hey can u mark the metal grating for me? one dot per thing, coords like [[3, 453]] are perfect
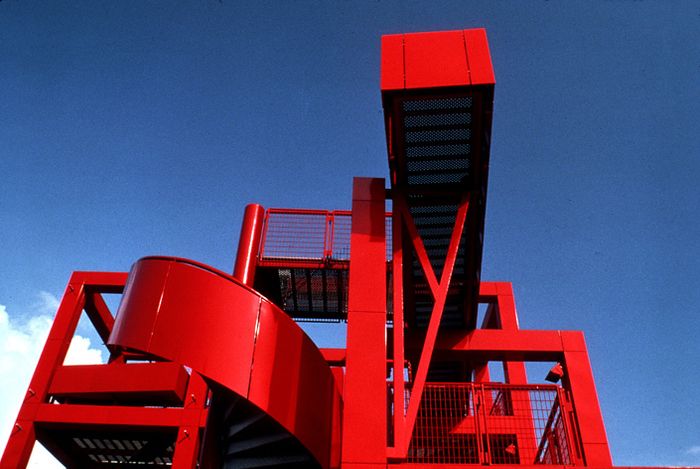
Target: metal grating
[[440, 104], [437, 135], [310, 235], [436, 140], [436, 120], [467, 423], [295, 235], [436, 151], [318, 295], [87, 447]]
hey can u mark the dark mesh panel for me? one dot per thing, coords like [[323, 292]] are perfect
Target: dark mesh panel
[[437, 164], [431, 136], [437, 120], [435, 151], [464, 102], [436, 139]]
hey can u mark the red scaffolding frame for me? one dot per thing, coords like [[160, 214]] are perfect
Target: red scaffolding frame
[[211, 370]]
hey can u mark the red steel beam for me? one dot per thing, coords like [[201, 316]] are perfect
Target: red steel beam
[[522, 345], [578, 378], [99, 314], [334, 356], [439, 292], [193, 419], [164, 381], [365, 414], [51, 414], [399, 423]]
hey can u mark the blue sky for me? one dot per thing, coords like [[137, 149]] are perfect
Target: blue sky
[[133, 128]]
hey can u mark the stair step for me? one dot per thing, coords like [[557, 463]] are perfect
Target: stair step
[[292, 460], [238, 427], [256, 442], [231, 407]]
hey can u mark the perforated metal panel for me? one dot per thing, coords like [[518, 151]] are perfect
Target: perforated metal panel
[[436, 140], [438, 104]]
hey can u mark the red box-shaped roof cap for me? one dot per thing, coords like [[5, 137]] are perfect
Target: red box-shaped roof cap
[[436, 59]]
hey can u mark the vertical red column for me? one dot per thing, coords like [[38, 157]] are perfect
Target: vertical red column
[[249, 244], [399, 402], [508, 317], [515, 373], [188, 442], [578, 378], [365, 414]]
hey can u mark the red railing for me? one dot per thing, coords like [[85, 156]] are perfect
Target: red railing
[[309, 235], [470, 423]]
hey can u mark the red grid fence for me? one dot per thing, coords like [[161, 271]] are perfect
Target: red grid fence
[[310, 235], [468, 423]]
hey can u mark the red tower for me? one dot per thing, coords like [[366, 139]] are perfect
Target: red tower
[[211, 370]]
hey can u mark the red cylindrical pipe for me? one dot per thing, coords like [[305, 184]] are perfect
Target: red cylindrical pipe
[[249, 244]]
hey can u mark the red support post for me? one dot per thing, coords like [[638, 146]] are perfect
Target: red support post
[[365, 416], [578, 379], [191, 429], [439, 291], [99, 314], [398, 330], [249, 244]]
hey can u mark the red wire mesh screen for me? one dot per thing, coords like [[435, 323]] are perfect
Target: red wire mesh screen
[[314, 235], [466, 423], [295, 234]]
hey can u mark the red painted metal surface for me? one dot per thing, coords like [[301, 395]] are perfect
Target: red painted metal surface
[[159, 383], [249, 244], [210, 370], [436, 59], [364, 433], [189, 313], [89, 416]]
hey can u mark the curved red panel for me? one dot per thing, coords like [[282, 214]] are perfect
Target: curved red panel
[[189, 313]]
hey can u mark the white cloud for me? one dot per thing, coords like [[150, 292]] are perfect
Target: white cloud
[[80, 353], [47, 304], [695, 450], [21, 343]]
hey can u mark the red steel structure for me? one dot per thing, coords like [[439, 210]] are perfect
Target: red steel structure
[[212, 370]]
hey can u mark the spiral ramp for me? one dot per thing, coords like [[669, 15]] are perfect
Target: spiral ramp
[[274, 400]]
